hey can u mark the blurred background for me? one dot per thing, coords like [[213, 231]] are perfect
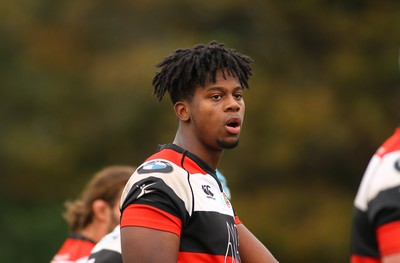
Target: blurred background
[[76, 96]]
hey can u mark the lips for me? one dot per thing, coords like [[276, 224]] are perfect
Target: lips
[[233, 125]]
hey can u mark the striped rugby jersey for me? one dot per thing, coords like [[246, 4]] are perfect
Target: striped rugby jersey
[[108, 249], [376, 214], [176, 191], [75, 249]]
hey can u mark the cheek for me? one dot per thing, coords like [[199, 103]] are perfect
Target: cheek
[[242, 110], [206, 112], [201, 114]]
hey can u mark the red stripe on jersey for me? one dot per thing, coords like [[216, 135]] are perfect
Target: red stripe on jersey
[[388, 238], [176, 157], [72, 250], [151, 217], [362, 259], [193, 257], [237, 220], [391, 144]]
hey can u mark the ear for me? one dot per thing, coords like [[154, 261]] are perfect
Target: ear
[[182, 110], [101, 210]]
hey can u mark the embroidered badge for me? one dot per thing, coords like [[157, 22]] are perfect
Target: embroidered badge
[[155, 167]]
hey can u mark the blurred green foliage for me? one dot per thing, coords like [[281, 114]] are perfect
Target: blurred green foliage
[[76, 96]]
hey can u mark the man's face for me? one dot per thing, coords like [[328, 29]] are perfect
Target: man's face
[[217, 112]]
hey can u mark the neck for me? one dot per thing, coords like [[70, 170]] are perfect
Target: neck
[[94, 232], [207, 154]]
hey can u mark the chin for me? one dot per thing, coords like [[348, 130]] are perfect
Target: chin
[[228, 145]]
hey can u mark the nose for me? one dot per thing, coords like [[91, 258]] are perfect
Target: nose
[[233, 105]]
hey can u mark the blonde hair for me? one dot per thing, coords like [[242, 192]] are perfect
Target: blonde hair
[[105, 185]]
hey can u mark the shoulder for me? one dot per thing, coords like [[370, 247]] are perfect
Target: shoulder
[[392, 144], [108, 249], [382, 175], [110, 241], [73, 249], [155, 170]]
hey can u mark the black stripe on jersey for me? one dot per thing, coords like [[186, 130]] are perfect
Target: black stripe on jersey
[[363, 235], [222, 226], [385, 207], [80, 237], [105, 256]]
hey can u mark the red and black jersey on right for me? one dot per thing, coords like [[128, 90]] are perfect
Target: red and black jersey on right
[[75, 249], [376, 214]]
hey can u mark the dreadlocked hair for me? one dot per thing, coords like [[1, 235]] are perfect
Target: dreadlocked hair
[[185, 68]]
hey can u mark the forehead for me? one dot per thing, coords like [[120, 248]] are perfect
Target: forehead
[[221, 77]]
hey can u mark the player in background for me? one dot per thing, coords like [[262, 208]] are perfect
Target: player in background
[[94, 214], [375, 231], [376, 214]]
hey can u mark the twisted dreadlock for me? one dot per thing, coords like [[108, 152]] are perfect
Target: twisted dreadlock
[[185, 68]]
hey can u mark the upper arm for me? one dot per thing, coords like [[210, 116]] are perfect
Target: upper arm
[[394, 258], [388, 241], [251, 249], [148, 245]]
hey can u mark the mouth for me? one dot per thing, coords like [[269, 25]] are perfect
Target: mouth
[[233, 125]]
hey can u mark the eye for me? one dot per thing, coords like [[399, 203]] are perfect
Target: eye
[[238, 96], [216, 96]]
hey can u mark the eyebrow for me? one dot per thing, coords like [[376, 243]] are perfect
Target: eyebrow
[[223, 88]]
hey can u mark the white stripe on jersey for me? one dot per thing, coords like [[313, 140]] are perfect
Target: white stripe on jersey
[[379, 176], [112, 241], [202, 185]]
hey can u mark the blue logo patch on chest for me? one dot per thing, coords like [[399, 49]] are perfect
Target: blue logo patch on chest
[[155, 167]]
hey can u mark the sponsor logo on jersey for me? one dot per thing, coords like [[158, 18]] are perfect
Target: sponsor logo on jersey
[[144, 190], [227, 202], [206, 189], [233, 243], [155, 167]]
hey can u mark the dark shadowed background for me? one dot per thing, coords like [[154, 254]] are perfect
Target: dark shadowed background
[[75, 96]]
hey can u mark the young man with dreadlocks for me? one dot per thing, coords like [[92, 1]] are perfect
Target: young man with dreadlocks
[[174, 208]]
